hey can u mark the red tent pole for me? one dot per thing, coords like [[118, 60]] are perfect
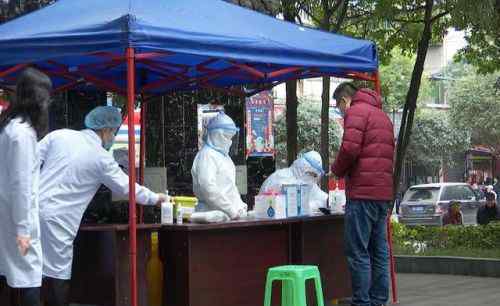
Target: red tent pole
[[389, 225], [142, 153], [378, 88], [394, 286], [131, 163]]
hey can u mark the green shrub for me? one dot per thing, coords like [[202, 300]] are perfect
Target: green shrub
[[421, 239]]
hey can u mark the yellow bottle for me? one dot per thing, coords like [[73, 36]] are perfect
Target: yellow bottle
[[155, 274]]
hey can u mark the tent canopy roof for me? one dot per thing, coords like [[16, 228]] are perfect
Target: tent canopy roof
[[179, 44]]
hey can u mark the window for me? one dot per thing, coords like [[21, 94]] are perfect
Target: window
[[437, 91], [459, 193], [421, 194]]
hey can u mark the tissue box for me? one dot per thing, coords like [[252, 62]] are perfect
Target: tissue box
[[270, 206]]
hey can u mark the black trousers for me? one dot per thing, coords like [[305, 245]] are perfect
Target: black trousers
[[18, 296], [57, 291]]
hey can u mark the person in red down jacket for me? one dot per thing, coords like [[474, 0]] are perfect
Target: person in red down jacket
[[365, 160]]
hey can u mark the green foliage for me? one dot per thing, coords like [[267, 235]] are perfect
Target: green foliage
[[395, 23], [309, 126], [270, 7], [395, 80], [14, 8], [475, 105], [435, 139], [482, 34], [427, 239], [399, 23]]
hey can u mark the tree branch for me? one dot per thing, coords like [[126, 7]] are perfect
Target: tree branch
[[363, 14], [440, 15], [336, 6], [408, 21], [265, 6], [311, 15], [341, 17]]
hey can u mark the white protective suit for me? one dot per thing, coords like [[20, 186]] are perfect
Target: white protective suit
[[297, 174], [74, 166], [214, 173], [19, 175]]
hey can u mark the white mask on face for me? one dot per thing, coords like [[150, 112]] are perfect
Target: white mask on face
[[309, 179], [220, 140]]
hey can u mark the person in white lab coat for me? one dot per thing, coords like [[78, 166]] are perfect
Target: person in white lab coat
[[214, 172], [20, 127], [304, 170], [74, 165]]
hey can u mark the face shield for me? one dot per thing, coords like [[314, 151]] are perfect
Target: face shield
[[311, 177], [223, 135], [314, 160], [235, 145], [308, 168]]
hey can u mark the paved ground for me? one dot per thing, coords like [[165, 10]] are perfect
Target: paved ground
[[447, 290]]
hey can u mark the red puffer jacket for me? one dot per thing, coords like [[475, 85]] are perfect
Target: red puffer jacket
[[366, 156]]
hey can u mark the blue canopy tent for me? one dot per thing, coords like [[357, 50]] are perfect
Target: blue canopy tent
[[153, 47], [178, 45]]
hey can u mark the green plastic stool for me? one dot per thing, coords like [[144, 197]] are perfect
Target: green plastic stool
[[293, 289]]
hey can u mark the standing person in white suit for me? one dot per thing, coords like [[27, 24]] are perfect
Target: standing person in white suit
[[21, 125], [214, 172], [75, 164]]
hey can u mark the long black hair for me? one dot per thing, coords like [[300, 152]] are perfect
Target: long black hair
[[31, 102]]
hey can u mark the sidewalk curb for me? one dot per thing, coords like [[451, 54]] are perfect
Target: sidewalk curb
[[448, 265]]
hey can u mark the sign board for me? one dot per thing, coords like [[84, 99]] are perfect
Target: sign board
[[259, 125]]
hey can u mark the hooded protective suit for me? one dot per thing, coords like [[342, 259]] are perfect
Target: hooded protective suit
[[19, 175], [300, 172], [214, 173]]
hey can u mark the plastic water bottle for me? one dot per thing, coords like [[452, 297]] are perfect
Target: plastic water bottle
[[337, 201], [167, 211], [179, 215]]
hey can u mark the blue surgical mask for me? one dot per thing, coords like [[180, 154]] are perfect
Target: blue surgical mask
[[108, 144]]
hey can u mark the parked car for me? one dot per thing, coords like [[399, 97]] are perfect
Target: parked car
[[426, 204]]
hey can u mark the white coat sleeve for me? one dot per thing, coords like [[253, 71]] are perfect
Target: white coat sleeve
[[113, 177], [317, 197], [211, 191], [23, 159]]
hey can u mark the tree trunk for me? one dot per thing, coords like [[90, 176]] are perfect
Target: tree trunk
[[325, 120], [328, 12], [291, 120], [412, 95], [289, 14]]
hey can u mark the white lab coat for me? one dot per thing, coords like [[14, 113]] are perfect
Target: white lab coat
[[74, 165], [19, 174], [214, 183]]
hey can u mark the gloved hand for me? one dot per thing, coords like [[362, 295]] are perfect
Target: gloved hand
[[162, 198], [242, 211], [23, 244]]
